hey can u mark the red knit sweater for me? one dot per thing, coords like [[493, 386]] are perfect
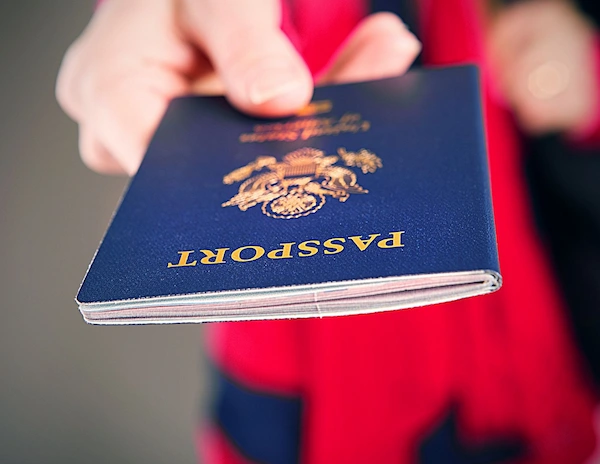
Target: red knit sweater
[[379, 388]]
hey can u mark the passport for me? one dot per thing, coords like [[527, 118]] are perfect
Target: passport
[[375, 197]]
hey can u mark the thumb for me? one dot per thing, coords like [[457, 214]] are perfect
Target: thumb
[[262, 72]]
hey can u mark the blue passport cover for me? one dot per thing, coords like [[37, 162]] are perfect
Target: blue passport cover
[[372, 180]]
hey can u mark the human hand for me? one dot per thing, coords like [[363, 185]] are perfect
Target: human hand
[[117, 79], [542, 51]]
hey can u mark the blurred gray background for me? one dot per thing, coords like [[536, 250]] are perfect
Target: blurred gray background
[[69, 392]]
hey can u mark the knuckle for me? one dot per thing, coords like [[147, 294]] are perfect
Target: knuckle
[[82, 83], [68, 79]]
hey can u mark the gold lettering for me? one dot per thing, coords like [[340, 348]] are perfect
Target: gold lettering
[[280, 136], [183, 259], [304, 246], [210, 257], [394, 242], [306, 128], [363, 245], [236, 254], [307, 248], [335, 246], [350, 117], [280, 253]]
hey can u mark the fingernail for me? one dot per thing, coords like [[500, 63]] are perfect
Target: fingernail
[[271, 84]]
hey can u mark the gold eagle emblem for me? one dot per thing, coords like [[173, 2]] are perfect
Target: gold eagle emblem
[[298, 185]]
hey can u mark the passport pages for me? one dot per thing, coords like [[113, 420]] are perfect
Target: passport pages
[[375, 197]]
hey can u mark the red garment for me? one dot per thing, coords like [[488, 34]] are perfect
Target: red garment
[[375, 388]]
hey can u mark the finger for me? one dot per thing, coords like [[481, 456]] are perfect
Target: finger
[[95, 155], [262, 72], [65, 84], [381, 46], [125, 110]]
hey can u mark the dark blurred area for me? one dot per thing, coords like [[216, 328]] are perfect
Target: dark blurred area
[[69, 392], [590, 7], [566, 197], [565, 193]]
